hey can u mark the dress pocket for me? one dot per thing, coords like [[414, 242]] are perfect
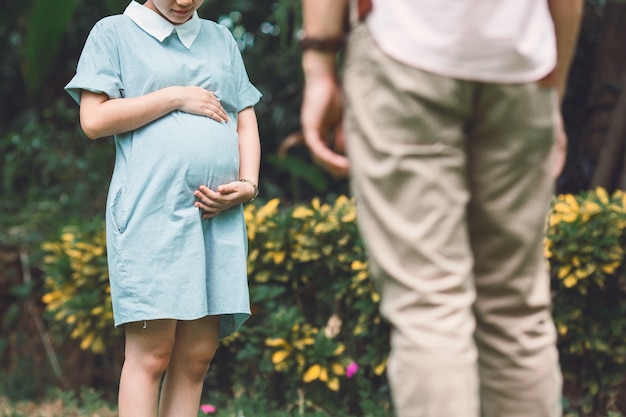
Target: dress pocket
[[118, 211]]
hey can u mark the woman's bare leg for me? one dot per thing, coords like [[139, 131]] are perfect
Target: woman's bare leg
[[147, 355], [195, 346]]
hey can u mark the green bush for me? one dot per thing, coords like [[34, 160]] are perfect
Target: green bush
[[585, 247], [49, 174], [77, 283], [315, 312]]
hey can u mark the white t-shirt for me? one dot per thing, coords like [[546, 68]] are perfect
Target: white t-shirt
[[508, 41]]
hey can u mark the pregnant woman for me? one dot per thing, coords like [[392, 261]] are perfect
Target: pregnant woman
[[174, 92]]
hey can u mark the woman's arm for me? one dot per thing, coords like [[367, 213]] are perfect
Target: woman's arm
[[101, 116], [249, 145]]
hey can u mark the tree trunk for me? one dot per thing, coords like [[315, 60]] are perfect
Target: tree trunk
[[609, 172], [603, 133]]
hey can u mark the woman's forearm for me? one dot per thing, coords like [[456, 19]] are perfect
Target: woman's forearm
[[101, 116], [249, 145]]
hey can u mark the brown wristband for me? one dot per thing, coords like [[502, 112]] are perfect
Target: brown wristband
[[321, 44]]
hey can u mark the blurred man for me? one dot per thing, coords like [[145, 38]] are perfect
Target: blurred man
[[452, 110]]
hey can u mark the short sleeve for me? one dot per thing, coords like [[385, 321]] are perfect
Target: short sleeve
[[247, 94], [98, 68]]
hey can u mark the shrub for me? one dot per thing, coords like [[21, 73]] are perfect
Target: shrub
[[77, 283], [585, 247], [315, 315]]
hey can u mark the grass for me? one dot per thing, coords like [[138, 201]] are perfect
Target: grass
[[89, 403], [59, 404], [52, 408]]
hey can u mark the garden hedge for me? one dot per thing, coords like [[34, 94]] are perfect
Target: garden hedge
[[316, 337]]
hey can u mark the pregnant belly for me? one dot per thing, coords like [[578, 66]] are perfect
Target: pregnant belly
[[182, 148]]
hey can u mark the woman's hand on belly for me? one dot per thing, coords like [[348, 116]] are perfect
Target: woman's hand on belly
[[199, 101], [227, 196]]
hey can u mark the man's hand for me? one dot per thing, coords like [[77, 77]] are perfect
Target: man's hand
[[322, 110], [321, 123]]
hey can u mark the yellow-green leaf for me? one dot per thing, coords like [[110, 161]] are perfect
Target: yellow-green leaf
[[312, 373]]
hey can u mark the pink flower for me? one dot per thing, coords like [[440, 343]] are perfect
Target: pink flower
[[208, 409], [351, 369]]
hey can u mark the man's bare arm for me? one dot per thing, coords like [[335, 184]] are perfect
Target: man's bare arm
[[566, 15]]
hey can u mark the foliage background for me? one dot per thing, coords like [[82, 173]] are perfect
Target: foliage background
[[315, 311], [51, 175], [53, 181], [47, 164]]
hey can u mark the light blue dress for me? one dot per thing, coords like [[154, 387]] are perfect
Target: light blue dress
[[165, 262]]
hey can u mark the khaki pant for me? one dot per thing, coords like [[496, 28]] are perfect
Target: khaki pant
[[453, 182]]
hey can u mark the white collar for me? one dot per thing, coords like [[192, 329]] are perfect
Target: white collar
[[159, 27]]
